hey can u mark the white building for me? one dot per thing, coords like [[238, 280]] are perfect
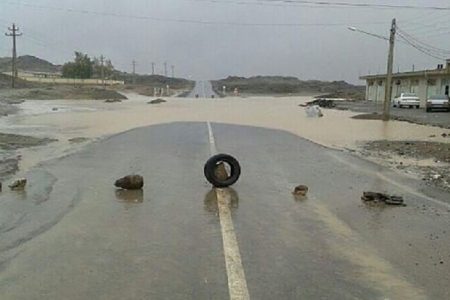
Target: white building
[[422, 83]]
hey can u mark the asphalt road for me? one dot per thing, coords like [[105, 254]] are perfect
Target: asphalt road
[[203, 89], [71, 235], [436, 117]]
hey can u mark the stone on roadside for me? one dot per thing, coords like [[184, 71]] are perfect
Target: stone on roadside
[[300, 190], [220, 172], [156, 101], [130, 182], [18, 184], [112, 100]]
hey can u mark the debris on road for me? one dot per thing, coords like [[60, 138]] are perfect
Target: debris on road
[[314, 111], [300, 190], [130, 182], [112, 100], [78, 139], [325, 103], [157, 101], [18, 184], [374, 197], [216, 174]]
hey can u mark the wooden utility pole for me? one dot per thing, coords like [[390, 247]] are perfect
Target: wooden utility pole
[[173, 71], [14, 32], [134, 71], [102, 69], [153, 68], [165, 69], [390, 63]]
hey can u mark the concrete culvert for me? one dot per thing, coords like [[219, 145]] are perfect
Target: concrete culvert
[[130, 182], [222, 170]]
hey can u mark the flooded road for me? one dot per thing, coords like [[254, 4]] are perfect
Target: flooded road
[[202, 89], [71, 235]]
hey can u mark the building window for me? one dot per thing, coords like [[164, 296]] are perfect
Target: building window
[[370, 83], [431, 81], [380, 82], [398, 82]]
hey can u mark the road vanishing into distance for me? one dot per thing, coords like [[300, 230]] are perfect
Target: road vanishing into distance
[[72, 235], [202, 89]]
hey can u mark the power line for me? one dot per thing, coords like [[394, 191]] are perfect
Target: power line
[[420, 48], [361, 5], [190, 21], [425, 45]]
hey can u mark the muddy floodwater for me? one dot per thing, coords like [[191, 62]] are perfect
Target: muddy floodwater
[[88, 120]]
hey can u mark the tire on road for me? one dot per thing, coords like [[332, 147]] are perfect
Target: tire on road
[[211, 165]]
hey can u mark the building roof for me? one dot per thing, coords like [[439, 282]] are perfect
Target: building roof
[[423, 73]]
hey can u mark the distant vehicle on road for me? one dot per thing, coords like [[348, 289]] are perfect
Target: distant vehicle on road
[[407, 99], [438, 102]]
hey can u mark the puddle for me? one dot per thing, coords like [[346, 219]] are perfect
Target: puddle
[[130, 196], [210, 201]]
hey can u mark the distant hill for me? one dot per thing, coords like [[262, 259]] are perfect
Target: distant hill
[[280, 85], [29, 63]]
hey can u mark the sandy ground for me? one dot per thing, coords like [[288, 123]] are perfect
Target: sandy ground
[[67, 120]]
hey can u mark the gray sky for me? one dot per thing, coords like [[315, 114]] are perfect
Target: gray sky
[[155, 30]]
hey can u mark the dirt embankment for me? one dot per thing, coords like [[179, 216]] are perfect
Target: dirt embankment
[[278, 85], [427, 160], [61, 92]]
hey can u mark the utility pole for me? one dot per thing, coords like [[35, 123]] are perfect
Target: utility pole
[[153, 68], [102, 69], [165, 68], [173, 71], [13, 33], [134, 71], [388, 88]]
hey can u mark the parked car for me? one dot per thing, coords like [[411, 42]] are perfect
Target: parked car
[[406, 99], [437, 102]]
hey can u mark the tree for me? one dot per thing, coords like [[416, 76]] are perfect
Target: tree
[[108, 68], [81, 67]]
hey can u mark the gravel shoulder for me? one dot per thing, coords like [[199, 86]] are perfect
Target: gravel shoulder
[[425, 160]]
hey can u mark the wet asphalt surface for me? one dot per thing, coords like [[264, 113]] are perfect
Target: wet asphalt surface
[[436, 117], [71, 235], [203, 89]]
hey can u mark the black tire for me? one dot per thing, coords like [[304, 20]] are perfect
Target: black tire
[[210, 167]]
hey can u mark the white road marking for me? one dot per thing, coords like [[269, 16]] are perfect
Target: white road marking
[[237, 284], [212, 141]]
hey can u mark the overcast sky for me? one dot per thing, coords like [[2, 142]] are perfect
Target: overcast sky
[[161, 30]]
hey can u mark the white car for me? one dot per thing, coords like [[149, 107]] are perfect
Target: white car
[[438, 102], [407, 99]]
